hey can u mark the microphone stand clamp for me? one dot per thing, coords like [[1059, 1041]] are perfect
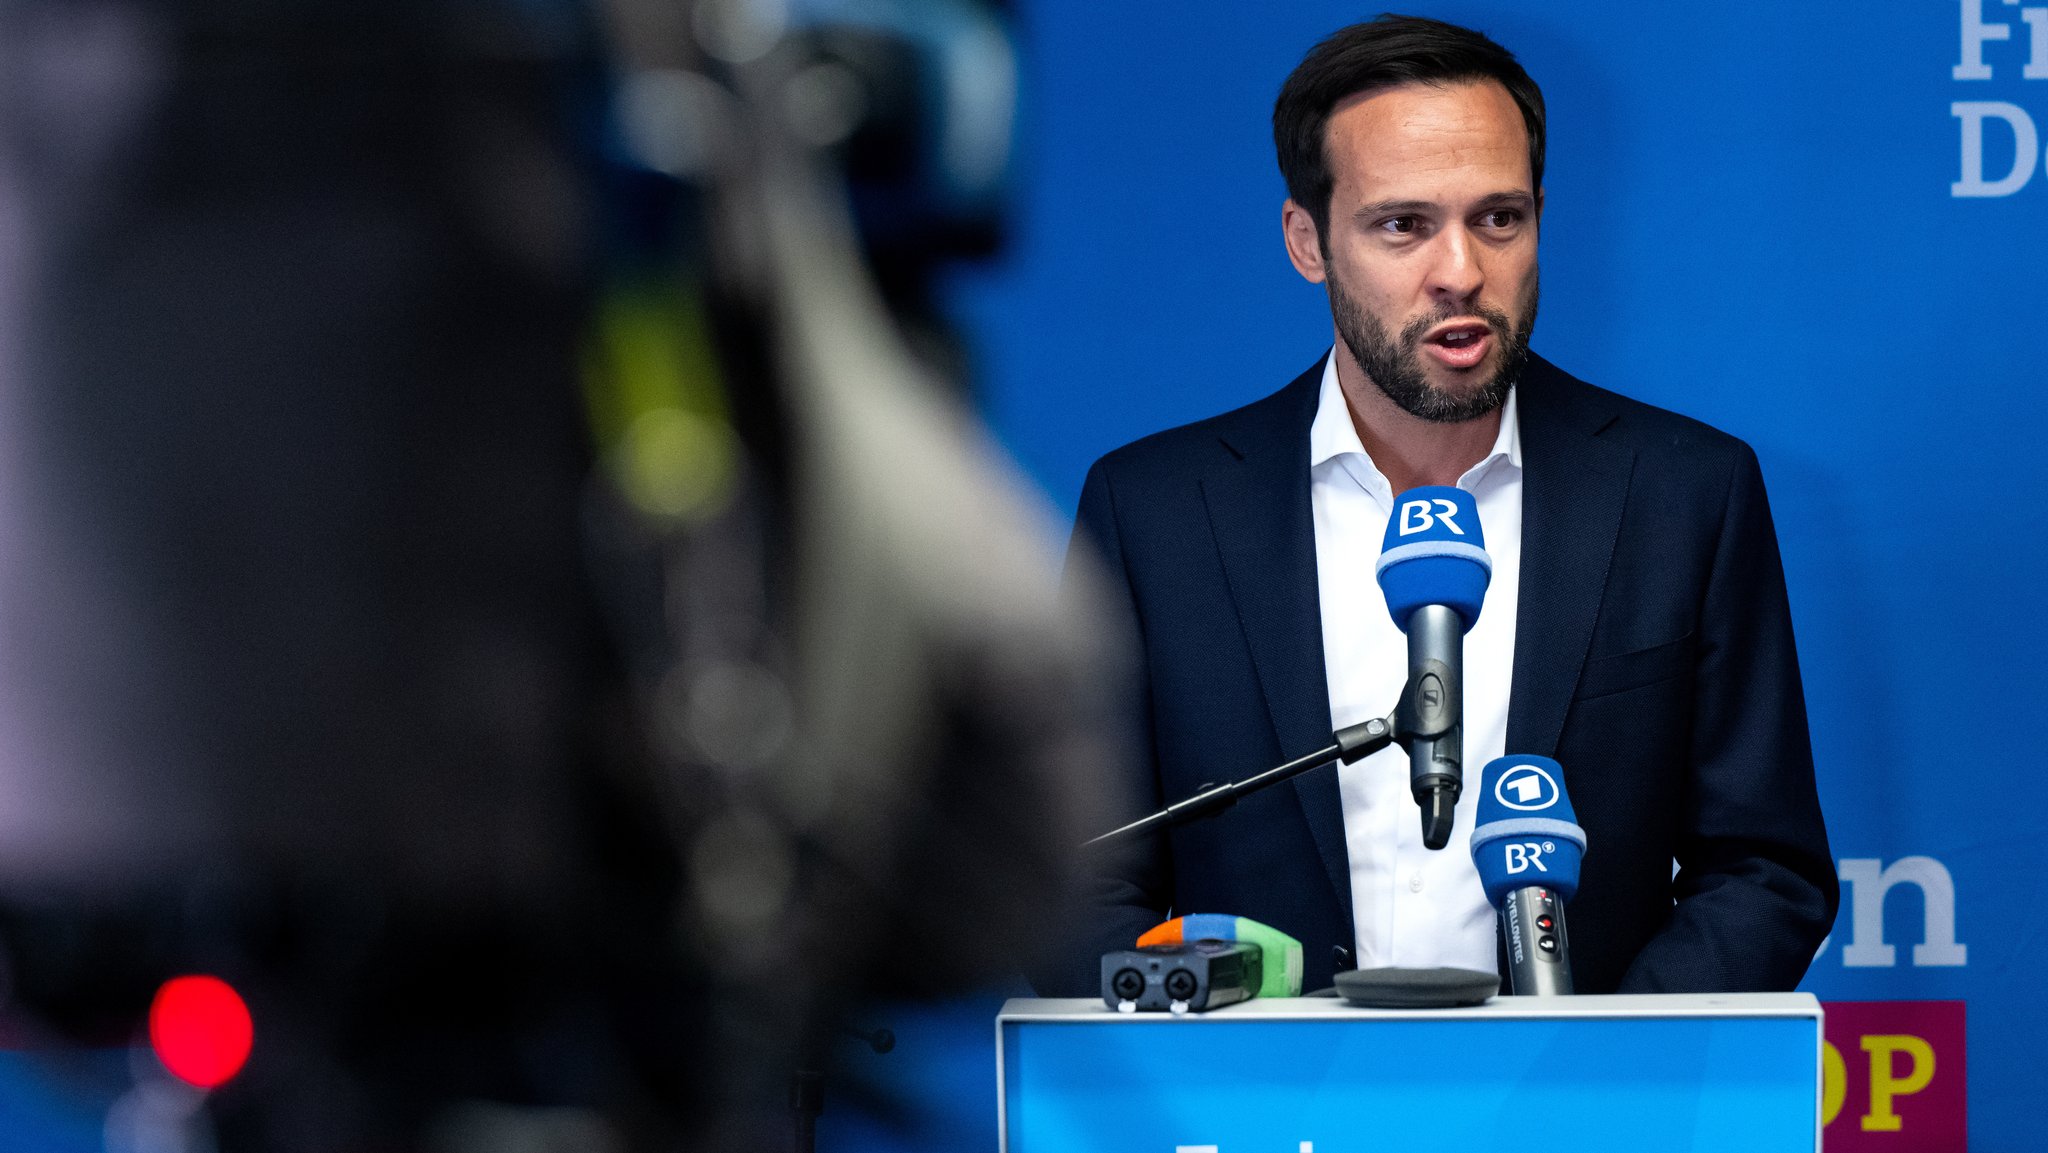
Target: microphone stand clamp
[[1427, 711]]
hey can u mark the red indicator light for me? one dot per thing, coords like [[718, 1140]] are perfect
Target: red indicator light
[[200, 1030]]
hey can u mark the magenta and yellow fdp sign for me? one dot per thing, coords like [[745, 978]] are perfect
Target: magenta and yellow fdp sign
[[1893, 1077]]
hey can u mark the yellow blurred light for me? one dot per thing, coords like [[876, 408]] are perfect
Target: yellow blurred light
[[676, 465]]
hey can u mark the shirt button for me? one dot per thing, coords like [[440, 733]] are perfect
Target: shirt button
[[1415, 883]]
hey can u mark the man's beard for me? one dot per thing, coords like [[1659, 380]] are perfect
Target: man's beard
[[1396, 368]]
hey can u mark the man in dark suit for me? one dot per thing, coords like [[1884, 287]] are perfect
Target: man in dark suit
[[1637, 627]]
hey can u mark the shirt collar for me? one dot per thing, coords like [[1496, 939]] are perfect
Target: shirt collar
[[1332, 436]]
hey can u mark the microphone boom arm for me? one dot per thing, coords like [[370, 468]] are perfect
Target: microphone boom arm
[[1353, 743]]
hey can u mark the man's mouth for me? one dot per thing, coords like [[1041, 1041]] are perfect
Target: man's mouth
[[1460, 345]]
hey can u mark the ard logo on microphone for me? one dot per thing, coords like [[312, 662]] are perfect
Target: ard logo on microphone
[[1525, 787], [1423, 515]]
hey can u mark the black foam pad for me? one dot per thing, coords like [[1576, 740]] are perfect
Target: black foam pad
[[1416, 988]]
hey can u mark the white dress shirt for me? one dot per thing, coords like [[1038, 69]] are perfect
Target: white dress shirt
[[1410, 906]]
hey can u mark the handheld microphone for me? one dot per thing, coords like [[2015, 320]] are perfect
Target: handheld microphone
[[1434, 570], [1527, 846]]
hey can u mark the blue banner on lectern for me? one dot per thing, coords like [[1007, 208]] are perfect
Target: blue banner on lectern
[[1453, 1082], [1821, 227]]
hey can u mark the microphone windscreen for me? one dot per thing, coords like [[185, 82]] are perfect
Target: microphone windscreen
[[1525, 832], [1282, 971], [1434, 554]]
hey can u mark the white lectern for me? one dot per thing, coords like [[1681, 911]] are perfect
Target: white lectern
[[1315, 1075]]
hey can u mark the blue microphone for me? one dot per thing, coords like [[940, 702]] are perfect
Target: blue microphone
[[1434, 569], [1527, 847]]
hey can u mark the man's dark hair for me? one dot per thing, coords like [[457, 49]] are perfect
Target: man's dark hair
[[1381, 52]]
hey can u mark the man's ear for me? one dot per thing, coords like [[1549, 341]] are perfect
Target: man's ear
[[1539, 207], [1304, 243]]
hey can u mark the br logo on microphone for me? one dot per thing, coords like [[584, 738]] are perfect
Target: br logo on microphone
[[1423, 515], [1525, 833], [1526, 787], [1434, 553], [1523, 856]]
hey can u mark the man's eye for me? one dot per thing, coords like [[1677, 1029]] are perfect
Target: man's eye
[[1501, 218], [1400, 225]]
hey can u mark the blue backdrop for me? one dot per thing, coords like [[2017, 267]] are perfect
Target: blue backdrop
[[1758, 215]]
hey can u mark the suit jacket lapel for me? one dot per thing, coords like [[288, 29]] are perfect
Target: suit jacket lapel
[[1574, 487], [1258, 501]]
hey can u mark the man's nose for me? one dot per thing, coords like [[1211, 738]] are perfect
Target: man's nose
[[1456, 275]]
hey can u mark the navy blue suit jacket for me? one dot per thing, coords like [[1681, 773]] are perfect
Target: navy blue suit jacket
[[1653, 658]]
